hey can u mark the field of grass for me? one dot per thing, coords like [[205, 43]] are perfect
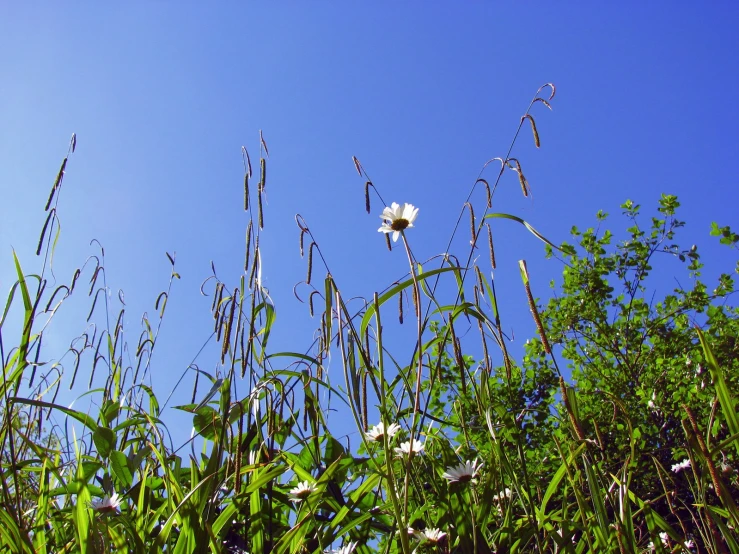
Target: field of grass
[[632, 448]]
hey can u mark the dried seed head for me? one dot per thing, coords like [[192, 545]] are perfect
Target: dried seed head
[[247, 161], [263, 143], [490, 246], [537, 142], [547, 104], [310, 301], [521, 179], [262, 175], [473, 234], [357, 165], [310, 263], [246, 192], [400, 307], [57, 183], [302, 232], [487, 191], [387, 242], [195, 387], [254, 262], [217, 299], [248, 247], [532, 306], [547, 85], [259, 206], [367, 185], [43, 231]]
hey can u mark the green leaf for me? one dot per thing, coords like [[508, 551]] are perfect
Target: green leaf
[[120, 469], [104, 439]]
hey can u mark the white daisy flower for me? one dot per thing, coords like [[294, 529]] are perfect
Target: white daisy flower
[[464, 472], [396, 218], [432, 535], [413, 446], [302, 491], [348, 548], [377, 432], [109, 504], [677, 468]]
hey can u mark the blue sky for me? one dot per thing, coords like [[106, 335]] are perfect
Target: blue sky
[[162, 96]]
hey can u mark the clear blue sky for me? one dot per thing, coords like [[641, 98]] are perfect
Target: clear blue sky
[[163, 95]]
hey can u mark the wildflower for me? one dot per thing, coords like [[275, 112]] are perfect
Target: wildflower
[[689, 544], [348, 548], [413, 446], [302, 491], [433, 536], [109, 504], [664, 539], [377, 432], [677, 468], [464, 472], [504, 494], [395, 219]]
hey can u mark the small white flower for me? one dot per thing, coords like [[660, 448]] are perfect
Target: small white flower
[[432, 535], [413, 446], [348, 548], [107, 505], [396, 218], [504, 494], [377, 432], [464, 472], [677, 468], [302, 491], [689, 545]]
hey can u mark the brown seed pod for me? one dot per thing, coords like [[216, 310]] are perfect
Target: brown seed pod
[[357, 165], [367, 185], [387, 242]]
